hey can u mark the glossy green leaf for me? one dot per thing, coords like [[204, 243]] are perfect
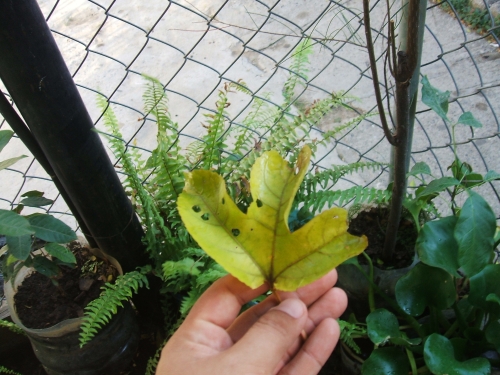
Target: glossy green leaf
[[492, 333], [440, 359], [383, 327], [45, 266], [20, 246], [50, 229], [438, 185], [436, 99], [474, 232], [467, 118], [436, 245], [12, 224], [60, 252], [258, 246], [5, 136], [413, 289], [419, 168], [391, 360], [7, 163], [36, 201], [482, 285]]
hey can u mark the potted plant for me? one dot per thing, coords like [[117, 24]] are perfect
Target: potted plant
[[155, 181], [443, 315], [35, 264]]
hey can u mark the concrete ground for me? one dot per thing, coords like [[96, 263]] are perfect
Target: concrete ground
[[107, 47]]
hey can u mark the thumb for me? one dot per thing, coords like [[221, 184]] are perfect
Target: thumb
[[269, 339]]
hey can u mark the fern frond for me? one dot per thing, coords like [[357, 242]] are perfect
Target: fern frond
[[101, 310], [146, 208], [214, 138], [189, 301], [12, 327], [350, 331], [329, 177], [5, 370], [166, 161], [334, 133], [153, 361], [317, 200], [298, 70]]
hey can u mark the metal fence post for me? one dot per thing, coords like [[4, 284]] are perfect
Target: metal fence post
[[34, 73]]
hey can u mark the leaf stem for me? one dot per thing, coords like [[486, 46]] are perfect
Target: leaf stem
[[411, 359]]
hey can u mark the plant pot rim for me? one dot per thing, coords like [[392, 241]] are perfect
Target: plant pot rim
[[62, 328]]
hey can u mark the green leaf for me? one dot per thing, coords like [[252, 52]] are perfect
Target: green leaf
[[412, 290], [472, 179], [391, 360], [436, 245], [467, 118], [437, 100], [419, 168], [440, 359], [437, 186], [491, 176], [33, 193], [45, 266], [19, 246], [5, 136], [7, 163], [474, 232], [482, 285], [492, 333], [258, 246], [36, 201], [50, 229], [383, 327], [60, 252], [12, 224]]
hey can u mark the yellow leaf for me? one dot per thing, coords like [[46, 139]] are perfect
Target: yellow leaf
[[258, 246]]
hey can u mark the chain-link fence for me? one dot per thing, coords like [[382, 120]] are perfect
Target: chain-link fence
[[195, 47]]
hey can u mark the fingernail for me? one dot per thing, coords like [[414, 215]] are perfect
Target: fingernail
[[292, 307]]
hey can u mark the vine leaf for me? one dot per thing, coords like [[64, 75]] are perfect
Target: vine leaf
[[258, 246]]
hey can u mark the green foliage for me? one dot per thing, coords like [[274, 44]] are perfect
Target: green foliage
[[5, 136], [194, 273], [317, 200], [477, 18], [155, 181], [12, 327], [455, 270], [100, 311], [5, 370], [23, 231], [349, 332]]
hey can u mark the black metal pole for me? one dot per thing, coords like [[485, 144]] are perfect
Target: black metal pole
[[22, 131], [33, 71]]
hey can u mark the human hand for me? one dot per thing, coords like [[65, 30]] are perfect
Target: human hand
[[264, 339]]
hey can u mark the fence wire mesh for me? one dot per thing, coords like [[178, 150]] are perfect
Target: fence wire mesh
[[195, 47]]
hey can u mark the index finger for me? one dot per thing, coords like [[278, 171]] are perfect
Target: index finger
[[222, 302]]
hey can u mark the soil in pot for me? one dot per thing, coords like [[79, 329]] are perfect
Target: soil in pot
[[42, 302], [373, 223]]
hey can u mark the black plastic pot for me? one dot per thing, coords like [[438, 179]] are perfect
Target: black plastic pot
[[58, 349]]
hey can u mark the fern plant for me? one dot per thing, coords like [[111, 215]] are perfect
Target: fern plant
[[228, 147], [101, 310], [5, 370]]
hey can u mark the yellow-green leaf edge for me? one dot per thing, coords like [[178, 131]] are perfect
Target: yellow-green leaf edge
[[257, 246]]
